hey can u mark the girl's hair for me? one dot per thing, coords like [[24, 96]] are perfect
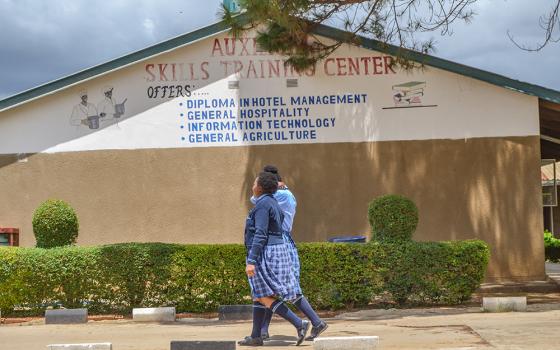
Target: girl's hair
[[268, 182], [272, 169]]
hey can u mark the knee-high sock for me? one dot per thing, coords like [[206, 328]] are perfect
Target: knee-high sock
[[266, 321], [287, 314], [259, 311], [303, 305]]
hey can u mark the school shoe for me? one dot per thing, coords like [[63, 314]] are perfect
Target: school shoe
[[265, 336], [302, 332], [248, 341], [315, 331]]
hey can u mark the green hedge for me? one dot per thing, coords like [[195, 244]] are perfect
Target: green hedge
[[55, 224], [551, 247], [198, 278], [392, 218]]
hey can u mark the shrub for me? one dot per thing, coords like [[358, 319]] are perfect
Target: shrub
[[392, 217], [55, 224], [550, 240], [421, 273], [198, 278], [551, 247]]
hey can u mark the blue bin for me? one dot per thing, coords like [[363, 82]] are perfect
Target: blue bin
[[348, 239]]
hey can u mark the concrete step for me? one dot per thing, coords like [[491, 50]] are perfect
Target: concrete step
[[548, 286], [346, 343], [66, 316], [154, 314], [235, 312], [202, 345], [504, 304]]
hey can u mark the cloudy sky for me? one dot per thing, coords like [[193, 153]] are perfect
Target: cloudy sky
[[42, 40]]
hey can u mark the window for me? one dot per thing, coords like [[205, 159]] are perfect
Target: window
[[4, 239]]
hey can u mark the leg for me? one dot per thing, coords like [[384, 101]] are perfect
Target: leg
[[255, 339], [303, 305], [278, 307], [259, 310], [266, 323], [319, 326]]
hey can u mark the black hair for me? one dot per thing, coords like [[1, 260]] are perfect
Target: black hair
[[272, 169], [268, 182]]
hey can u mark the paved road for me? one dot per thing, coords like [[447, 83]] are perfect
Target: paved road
[[464, 328]]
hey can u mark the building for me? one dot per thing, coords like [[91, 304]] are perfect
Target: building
[[164, 144]]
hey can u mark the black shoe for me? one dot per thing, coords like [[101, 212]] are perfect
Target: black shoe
[[301, 332], [248, 341], [315, 331], [265, 336]]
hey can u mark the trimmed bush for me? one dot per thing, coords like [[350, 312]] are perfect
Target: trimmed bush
[[551, 247], [419, 273], [198, 278], [393, 218], [55, 224]]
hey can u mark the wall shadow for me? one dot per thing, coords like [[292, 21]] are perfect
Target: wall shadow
[[487, 188]]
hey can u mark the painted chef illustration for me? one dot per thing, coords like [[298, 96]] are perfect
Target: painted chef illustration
[[106, 108], [85, 113], [109, 110]]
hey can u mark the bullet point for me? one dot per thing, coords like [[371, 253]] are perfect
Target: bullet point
[[182, 126], [182, 138], [182, 115], [181, 104]]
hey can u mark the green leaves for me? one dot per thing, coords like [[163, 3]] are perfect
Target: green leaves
[[421, 273], [550, 241], [393, 218], [551, 247], [390, 22], [55, 224], [198, 278]]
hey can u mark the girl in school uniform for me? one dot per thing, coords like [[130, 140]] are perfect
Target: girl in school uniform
[[269, 267], [287, 202]]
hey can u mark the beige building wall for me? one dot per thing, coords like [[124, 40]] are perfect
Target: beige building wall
[[463, 189], [468, 155]]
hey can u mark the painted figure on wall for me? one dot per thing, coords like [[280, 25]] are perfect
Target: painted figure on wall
[[85, 113], [108, 109]]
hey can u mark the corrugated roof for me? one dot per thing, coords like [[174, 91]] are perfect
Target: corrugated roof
[[322, 30], [547, 172]]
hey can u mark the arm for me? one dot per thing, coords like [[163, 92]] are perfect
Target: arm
[[282, 199], [101, 109], [261, 234]]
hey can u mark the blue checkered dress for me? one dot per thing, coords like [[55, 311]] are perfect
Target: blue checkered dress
[[294, 258], [274, 275]]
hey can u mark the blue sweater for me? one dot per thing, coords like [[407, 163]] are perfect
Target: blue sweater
[[263, 226], [287, 202]]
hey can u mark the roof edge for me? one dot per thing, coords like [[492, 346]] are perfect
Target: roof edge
[[479, 74], [123, 61]]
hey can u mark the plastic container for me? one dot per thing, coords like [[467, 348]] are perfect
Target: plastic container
[[348, 239]]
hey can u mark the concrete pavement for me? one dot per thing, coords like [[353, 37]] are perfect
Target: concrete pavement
[[435, 328], [451, 328]]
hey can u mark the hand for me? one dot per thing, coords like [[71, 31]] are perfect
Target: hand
[[250, 270]]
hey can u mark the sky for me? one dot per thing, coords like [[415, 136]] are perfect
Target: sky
[[43, 40]]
